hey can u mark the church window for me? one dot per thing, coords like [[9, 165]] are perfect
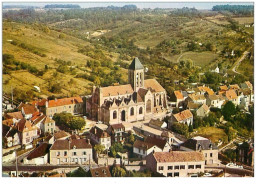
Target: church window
[[140, 110], [114, 115], [132, 111], [148, 106]]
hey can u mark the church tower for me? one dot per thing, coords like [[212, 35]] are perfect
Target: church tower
[[136, 74]]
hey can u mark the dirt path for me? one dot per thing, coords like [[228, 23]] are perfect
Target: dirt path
[[238, 62]]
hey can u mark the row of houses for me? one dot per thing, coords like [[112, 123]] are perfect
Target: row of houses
[[35, 118], [192, 99]]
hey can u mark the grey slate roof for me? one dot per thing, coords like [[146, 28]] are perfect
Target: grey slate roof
[[136, 64], [195, 144]]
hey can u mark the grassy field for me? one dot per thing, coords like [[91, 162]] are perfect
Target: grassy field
[[200, 59], [244, 20], [212, 133], [54, 48]]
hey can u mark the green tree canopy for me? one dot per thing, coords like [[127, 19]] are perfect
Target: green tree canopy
[[228, 110]]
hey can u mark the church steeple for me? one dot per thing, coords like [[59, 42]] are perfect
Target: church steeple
[[136, 74]]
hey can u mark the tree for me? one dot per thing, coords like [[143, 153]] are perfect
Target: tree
[[118, 172], [228, 110], [180, 128], [99, 148], [131, 138], [62, 36], [76, 123], [117, 147], [67, 119], [175, 110], [190, 128]]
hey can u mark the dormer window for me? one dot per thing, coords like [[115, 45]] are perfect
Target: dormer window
[[199, 147]]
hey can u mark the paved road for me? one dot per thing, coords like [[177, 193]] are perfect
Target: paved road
[[238, 62], [242, 172], [35, 168]]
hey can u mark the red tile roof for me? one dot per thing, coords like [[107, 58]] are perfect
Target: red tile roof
[[100, 172], [41, 150], [206, 89], [178, 95], [17, 115], [39, 102], [64, 101], [178, 156], [61, 134], [28, 108], [24, 125], [117, 126], [224, 88], [231, 94], [156, 141], [183, 115], [66, 144]]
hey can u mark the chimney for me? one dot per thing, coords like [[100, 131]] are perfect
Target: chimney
[[46, 103], [55, 99], [88, 140]]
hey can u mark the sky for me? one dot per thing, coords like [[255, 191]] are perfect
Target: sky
[[141, 5]]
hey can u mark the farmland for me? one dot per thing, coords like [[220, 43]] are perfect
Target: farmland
[[84, 48]]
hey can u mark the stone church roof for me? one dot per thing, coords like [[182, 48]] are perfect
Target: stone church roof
[[136, 64], [153, 85], [115, 90]]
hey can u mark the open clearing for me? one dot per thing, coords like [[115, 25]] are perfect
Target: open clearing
[[244, 20], [199, 59], [212, 133]]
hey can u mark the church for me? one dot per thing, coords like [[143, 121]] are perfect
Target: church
[[139, 100]]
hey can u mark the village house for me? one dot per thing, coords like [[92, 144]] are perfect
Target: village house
[[215, 101], [76, 151], [39, 156], [231, 95], [73, 105], [138, 100], [16, 116], [203, 90], [185, 117], [100, 136], [147, 131], [178, 98], [100, 172], [49, 139], [234, 87], [10, 134], [157, 124], [198, 99], [246, 98], [150, 144], [48, 125], [246, 85], [192, 106], [61, 135], [203, 111], [27, 131], [176, 163], [117, 133], [27, 110], [37, 119], [204, 145]]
